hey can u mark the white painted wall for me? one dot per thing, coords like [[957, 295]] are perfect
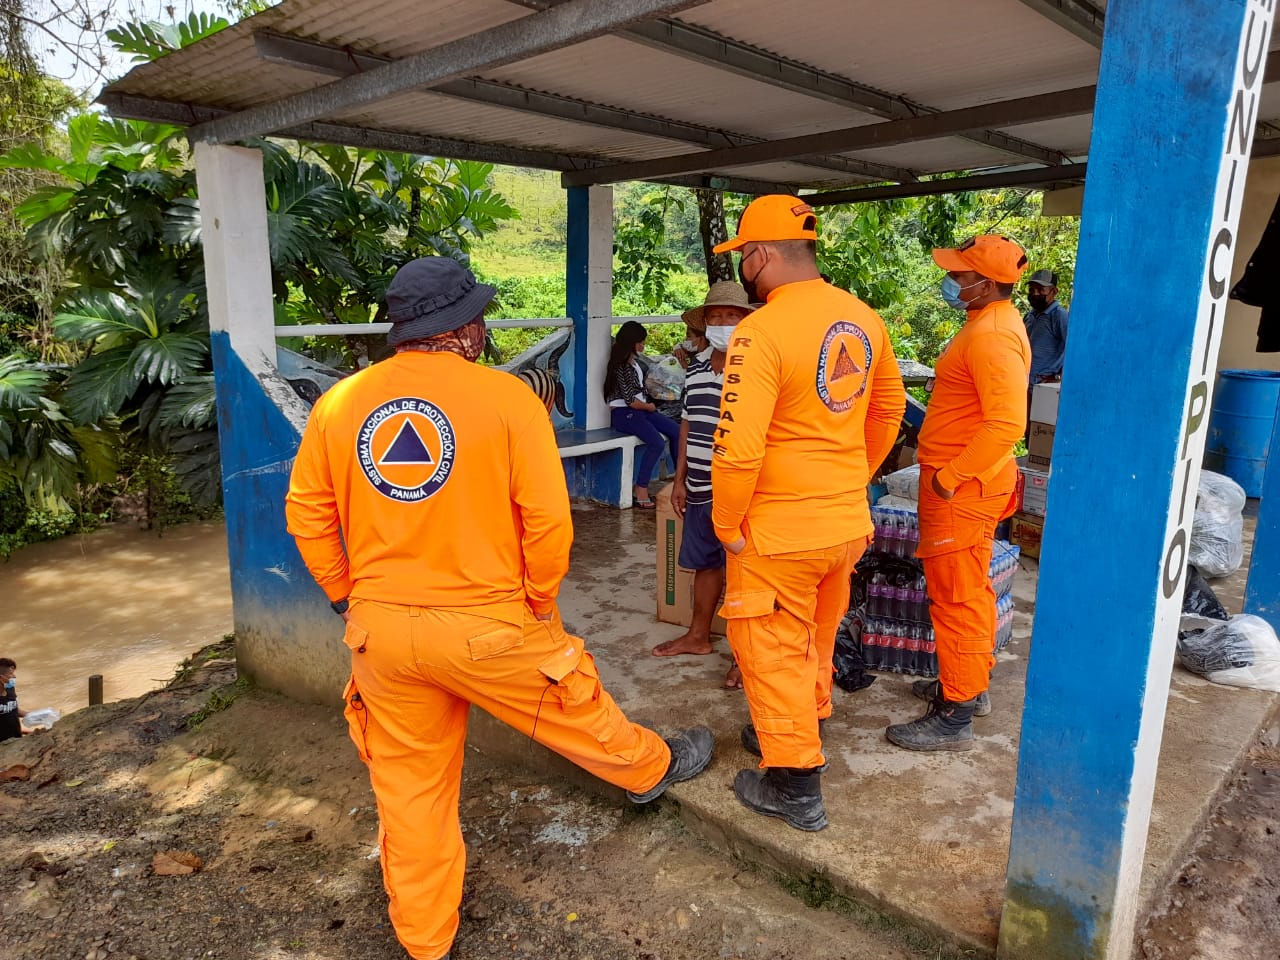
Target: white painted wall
[[1240, 336]]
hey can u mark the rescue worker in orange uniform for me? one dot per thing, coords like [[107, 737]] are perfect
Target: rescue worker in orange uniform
[[976, 413], [811, 405], [429, 502]]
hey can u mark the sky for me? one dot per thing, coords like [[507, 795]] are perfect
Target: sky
[[66, 21]]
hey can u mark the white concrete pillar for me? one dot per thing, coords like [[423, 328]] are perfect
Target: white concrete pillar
[[589, 294], [237, 258]]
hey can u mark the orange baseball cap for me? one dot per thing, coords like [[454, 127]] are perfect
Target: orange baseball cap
[[775, 217], [995, 257]]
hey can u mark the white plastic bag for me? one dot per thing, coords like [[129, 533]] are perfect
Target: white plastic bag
[[1217, 529], [899, 503], [905, 483], [44, 717], [663, 378], [1243, 652]]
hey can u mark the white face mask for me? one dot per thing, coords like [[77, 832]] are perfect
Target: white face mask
[[688, 346], [719, 337]]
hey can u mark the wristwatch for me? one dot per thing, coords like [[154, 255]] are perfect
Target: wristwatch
[[340, 606]]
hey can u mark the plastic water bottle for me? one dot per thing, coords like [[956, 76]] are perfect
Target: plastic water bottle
[[913, 534], [915, 649], [920, 601], [871, 643], [902, 634], [883, 533]]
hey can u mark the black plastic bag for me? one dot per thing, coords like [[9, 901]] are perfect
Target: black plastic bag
[[896, 570], [850, 668], [1199, 599]]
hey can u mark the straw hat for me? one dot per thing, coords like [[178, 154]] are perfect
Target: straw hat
[[723, 293]]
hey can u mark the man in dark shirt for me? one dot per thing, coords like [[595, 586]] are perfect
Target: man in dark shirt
[[10, 715], [1046, 324]]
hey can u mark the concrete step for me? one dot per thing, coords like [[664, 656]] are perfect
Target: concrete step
[[919, 838]]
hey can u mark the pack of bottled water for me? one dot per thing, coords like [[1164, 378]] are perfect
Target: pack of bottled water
[[891, 600]]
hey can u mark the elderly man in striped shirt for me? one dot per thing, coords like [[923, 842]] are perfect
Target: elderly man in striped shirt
[[700, 550]]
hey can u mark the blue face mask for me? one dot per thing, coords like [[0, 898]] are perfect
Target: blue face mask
[[10, 683], [951, 289]]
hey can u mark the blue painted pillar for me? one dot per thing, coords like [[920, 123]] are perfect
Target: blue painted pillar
[[1178, 92], [287, 638], [589, 298], [1262, 594]]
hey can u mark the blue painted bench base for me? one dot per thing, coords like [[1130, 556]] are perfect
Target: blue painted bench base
[[598, 464]]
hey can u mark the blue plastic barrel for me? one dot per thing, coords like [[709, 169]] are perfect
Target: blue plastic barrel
[[1244, 412]]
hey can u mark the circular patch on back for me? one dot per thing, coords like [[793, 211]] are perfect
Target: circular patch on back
[[844, 363], [406, 448]]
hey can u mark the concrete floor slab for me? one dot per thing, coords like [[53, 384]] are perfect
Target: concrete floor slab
[[920, 837]]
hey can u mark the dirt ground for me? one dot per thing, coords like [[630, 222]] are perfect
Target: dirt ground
[[271, 799], [1225, 902]]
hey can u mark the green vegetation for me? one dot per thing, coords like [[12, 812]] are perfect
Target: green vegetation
[[106, 388], [219, 700], [879, 251]]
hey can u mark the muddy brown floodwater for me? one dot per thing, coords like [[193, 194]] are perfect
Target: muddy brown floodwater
[[125, 603]]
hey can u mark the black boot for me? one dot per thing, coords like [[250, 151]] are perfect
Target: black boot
[[751, 740], [793, 794], [932, 689], [690, 754], [946, 726]]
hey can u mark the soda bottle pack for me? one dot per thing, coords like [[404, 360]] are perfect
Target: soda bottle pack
[[893, 603]]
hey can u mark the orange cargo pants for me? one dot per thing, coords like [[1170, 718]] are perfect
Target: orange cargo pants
[[415, 672], [781, 614], [955, 548]]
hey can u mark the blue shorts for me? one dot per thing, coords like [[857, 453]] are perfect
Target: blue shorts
[[699, 548]]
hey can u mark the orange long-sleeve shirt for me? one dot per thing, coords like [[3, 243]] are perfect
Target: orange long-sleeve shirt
[[812, 404], [443, 480], [978, 409]]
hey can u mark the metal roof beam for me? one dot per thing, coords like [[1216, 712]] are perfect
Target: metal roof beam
[[333, 60], [130, 107], [1038, 176], [1078, 16], [1263, 146], [1045, 106], [704, 46], [563, 25]]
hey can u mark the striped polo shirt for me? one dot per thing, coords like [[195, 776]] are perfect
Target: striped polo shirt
[[702, 411]]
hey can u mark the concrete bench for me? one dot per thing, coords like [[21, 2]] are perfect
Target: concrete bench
[[598, 464]]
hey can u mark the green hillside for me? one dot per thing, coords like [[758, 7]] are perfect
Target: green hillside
[[879, 251]]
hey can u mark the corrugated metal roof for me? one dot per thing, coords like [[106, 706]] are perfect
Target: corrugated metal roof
[[741, 70], [461, 120], [626, 74], [943, 54]]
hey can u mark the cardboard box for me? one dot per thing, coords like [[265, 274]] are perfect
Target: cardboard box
[[1044, 403], [1040, 444], [675, 583], [1033, 489], [1025, 532]]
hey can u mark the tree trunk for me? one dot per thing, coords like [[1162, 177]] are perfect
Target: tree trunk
[[712, 227]]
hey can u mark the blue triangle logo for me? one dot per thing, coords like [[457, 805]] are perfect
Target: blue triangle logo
[[407, 447]]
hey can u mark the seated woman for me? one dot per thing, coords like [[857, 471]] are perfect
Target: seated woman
[[632, 412]]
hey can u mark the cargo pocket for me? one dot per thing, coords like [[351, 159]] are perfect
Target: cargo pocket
[[575, 687], [495, 641], [950, 575], [357, 714], [749, 613], [749, 604], [355, 637]]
